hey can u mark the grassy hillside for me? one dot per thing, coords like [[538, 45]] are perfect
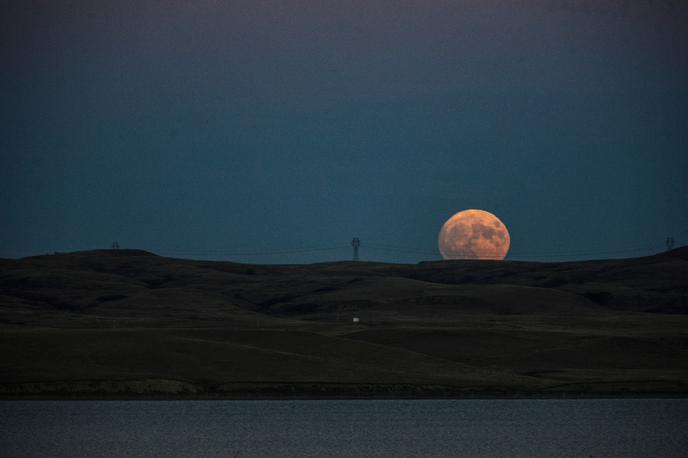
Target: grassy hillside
[[130, 322]]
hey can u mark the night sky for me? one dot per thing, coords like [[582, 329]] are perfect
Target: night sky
[[256, 130]]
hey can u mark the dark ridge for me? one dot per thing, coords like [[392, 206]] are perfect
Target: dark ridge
[[95, 253], [680, 253], [601, 327]]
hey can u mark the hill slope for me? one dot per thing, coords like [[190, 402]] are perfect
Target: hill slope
[[128, 321]]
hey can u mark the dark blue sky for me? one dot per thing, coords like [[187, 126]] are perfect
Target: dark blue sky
[[207, 128]]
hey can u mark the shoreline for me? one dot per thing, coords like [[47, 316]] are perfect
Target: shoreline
[[166, 389], [313, 397]]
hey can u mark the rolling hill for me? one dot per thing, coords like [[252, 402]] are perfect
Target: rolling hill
[[131, 323]]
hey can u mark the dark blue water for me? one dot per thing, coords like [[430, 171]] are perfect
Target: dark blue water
[[480, 428]]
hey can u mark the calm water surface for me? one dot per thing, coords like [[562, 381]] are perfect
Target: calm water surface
[[480, 428]]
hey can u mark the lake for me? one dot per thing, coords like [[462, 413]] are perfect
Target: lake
[[394, 428]]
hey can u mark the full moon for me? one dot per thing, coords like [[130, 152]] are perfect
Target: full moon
[[473, 234]]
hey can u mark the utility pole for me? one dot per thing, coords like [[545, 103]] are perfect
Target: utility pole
[[669, 243], [356, 242]]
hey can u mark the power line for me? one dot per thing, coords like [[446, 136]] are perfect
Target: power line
[[228, 252], [517, 255], [393, 249], [356, 243], [383, 247]]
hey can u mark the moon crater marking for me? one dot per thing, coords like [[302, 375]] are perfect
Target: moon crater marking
[[474, 234]]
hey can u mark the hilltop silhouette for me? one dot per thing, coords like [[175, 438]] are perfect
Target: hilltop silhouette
[[133, 323]]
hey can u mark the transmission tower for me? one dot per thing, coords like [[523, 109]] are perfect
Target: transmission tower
[[115, 245], [670, 243], [356, 242]]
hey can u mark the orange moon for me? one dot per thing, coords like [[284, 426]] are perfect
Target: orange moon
[[474, 234]]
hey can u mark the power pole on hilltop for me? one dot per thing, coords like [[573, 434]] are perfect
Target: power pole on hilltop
[[670, 243], [356, 242]]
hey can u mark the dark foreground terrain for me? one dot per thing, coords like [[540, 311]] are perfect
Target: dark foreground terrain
[[130, 323]]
